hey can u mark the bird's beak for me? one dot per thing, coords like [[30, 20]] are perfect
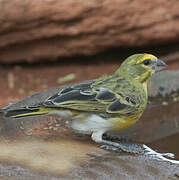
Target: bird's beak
[[160, 65]]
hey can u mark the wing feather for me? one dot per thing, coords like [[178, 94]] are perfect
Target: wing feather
[[105, 95], [85, 97]]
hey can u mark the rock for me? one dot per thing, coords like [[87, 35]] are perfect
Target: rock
[[68, 159], [33, 30]]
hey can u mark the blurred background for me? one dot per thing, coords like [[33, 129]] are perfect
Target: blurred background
[[49, 43]]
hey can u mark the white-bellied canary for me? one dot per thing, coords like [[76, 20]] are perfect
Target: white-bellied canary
[[107, 104]]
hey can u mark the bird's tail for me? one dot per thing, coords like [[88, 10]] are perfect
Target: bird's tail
[[27, 111]]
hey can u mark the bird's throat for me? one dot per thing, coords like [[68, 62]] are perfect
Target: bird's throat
[[145, 77]]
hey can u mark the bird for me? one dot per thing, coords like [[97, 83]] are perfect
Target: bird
[[107, 104]]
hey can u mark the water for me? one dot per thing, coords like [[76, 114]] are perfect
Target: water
[[166, 149]]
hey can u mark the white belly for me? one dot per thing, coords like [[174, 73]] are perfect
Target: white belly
[[91, 123]]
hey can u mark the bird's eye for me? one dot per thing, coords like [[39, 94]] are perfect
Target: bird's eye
[[147, 62]]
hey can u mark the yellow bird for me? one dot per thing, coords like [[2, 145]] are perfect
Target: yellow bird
[[108, 104]]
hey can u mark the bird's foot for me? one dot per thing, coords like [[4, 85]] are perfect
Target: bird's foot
[[116, 146], [122, 147]]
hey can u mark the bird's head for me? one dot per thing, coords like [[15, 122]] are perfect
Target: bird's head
[[141, 66]]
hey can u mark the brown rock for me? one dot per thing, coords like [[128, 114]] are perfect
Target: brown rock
[[65, 159], [35, 29]]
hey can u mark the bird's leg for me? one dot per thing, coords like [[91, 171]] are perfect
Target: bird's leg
[[118, 147]]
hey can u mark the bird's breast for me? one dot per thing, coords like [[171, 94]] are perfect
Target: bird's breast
[[119, 123]]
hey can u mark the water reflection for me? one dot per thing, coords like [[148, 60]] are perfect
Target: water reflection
[[160, 156]]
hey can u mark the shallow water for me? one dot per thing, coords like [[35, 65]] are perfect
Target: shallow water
[[168, 144]]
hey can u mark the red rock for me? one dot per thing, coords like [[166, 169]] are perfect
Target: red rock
[[35, 29]]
